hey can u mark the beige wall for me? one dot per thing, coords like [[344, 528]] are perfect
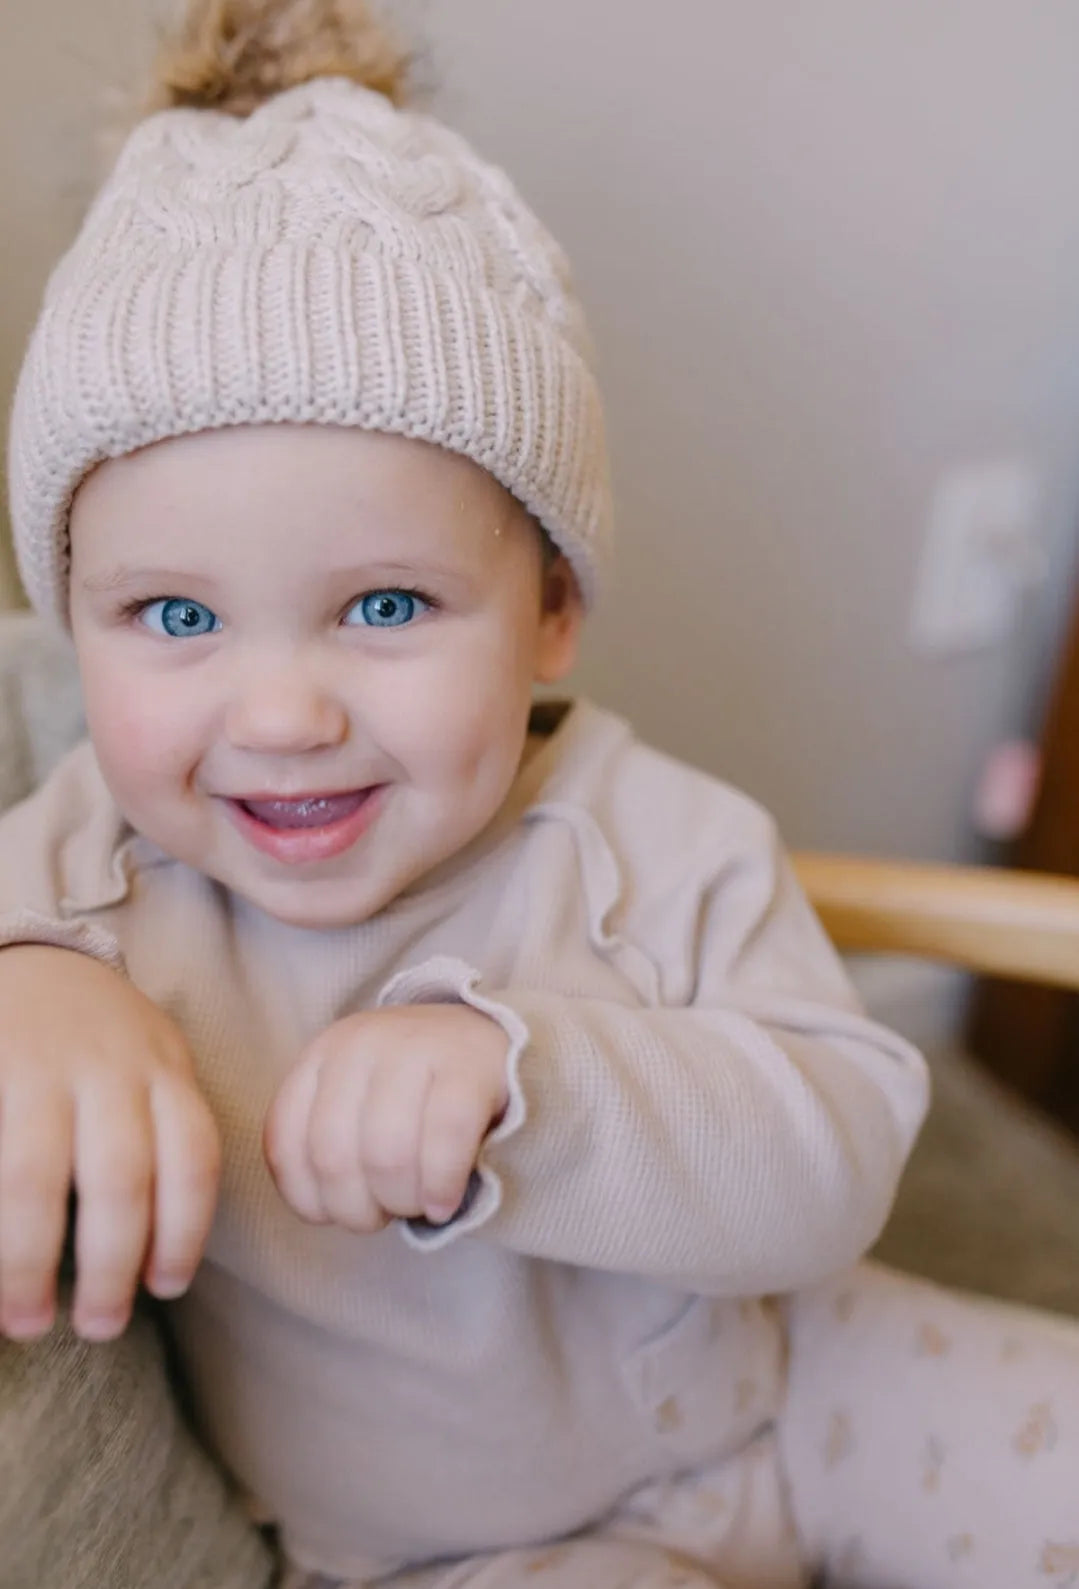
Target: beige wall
[[62, 63], [830, 249]]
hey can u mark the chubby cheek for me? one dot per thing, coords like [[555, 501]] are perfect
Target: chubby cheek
[[142, 736], [459, 731]]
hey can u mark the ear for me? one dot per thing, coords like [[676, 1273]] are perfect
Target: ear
[[561, 620]]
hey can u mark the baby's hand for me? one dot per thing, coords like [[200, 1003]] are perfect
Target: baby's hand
[[385, 1113], [97, 1093]]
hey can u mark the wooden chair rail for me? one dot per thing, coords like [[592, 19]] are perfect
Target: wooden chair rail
[[1021, 925]]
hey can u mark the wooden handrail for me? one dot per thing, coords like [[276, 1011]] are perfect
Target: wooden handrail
[[1023, 925]]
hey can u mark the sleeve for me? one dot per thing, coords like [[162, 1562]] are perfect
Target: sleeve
[[746, 1141], [60, 861]]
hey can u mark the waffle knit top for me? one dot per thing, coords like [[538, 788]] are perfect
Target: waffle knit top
[[700, 1118]]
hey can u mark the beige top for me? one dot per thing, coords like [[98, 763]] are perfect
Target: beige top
[[699, 1114]]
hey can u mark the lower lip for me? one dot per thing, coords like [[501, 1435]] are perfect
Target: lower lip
[[301, 846]]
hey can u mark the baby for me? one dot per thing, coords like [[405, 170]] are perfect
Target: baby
[[547, 1117]]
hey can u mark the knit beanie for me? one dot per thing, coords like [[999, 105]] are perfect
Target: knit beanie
[[282, 243]]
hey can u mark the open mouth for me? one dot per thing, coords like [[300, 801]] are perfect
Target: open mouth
[[305, 828], [310, 811]]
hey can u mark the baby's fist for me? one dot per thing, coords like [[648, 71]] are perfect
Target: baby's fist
[[384, 1115]]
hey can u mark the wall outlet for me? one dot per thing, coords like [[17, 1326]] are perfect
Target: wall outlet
[[982, 551]]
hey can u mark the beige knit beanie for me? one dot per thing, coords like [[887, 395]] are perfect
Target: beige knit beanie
[[305, 252]]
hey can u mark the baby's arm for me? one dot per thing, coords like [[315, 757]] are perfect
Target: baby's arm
[[737, 1128], [746, 1144], [97, 1095], [97, 1090]]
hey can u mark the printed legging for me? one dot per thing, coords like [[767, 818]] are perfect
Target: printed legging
[[928, 1441]]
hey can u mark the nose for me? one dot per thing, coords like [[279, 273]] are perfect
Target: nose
[[281, 707]]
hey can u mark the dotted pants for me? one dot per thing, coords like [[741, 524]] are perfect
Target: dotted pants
[[928, 1441]]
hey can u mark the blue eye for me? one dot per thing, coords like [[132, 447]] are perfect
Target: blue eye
[[386, 609], [179, 618]]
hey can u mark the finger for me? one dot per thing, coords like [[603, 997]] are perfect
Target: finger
[[114, 1170], [334, 1145], [457, 1118], [188, 1166], [36, 1136], [390, 1134], [284, 1141]]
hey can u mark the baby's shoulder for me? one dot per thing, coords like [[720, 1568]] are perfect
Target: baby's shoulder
[[653, 806], [661, 849], [60, 847]]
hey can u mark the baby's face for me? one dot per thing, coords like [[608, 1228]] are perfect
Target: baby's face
[[308, 656]]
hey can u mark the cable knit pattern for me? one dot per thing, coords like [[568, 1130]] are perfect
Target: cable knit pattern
[[328, 260]]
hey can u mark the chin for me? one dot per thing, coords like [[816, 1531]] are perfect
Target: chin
[[311, 914], [312, 908]]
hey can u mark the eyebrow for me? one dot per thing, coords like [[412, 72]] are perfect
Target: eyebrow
[[120, 578], [383, 571]]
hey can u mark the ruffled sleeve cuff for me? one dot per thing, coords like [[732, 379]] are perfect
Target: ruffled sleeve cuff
[[444, 980]]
